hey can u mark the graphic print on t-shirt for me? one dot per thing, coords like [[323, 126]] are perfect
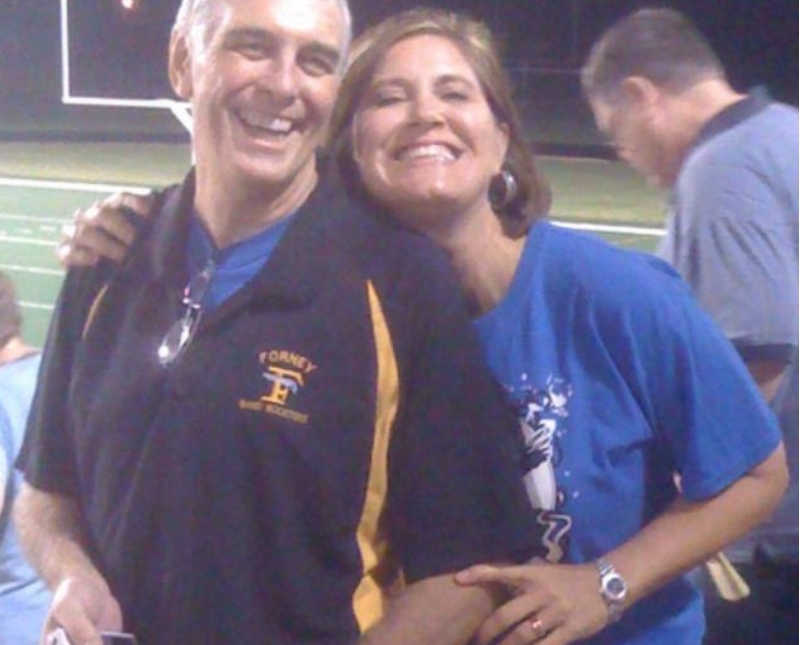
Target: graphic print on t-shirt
[[542, 414]]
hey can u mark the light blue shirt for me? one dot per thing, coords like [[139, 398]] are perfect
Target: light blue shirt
[[24, 599], [732, 234]]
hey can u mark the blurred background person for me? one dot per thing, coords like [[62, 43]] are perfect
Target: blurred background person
[[730, 160], [24, 598]]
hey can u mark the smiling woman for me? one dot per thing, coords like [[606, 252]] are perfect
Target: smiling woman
[[448, 86], [424, 131]]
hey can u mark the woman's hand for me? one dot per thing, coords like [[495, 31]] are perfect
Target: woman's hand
[[103, 230], [553, 604]]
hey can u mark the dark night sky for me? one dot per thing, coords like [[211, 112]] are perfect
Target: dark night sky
[[115, 54]]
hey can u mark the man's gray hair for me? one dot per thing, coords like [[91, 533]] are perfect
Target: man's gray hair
[[195, 17], [661, 45]]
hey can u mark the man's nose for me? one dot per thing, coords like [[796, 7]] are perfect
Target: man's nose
[[280, 80]]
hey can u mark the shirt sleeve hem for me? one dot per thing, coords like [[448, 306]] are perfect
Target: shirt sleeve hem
[[705, 489]]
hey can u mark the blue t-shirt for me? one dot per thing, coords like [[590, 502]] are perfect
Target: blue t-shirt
[[620, 381], [24, 598]]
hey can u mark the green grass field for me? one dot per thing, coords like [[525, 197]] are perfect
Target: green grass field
[[31, 216]]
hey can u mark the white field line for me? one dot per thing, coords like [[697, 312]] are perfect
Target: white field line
[[34, 219], [36, 305], [612, 228], [109, 188], [13, 239], [35, 270], [16, 182]]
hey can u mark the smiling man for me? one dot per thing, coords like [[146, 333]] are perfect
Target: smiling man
[[275, 408]]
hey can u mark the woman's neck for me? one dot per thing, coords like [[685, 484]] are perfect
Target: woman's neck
[[485, 259]]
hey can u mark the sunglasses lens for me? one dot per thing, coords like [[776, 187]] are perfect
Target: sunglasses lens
[[175, 340], [181, 331]]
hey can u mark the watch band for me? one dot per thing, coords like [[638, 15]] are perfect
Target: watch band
[[613, 589]]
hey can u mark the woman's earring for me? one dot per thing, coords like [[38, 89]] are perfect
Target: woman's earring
[[502, 190]]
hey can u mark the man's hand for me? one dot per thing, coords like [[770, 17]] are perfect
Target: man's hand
[[83, 607], [554, 604], [50, 530], [102, 230]]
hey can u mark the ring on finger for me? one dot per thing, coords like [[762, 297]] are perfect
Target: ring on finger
[[536, 626]]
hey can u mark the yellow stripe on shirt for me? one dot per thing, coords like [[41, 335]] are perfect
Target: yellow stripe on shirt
[[369, 598]]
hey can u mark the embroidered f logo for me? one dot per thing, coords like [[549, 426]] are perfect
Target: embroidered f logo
[[284, 382]]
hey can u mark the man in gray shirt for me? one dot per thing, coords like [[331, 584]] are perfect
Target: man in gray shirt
[[731, 161]]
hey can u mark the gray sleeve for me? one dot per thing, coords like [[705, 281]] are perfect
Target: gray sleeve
[[738, 251]]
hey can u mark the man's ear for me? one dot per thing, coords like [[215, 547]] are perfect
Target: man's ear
[[179, 66], [639, 91]]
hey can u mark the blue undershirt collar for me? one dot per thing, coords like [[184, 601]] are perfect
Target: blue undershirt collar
[[236, 264]]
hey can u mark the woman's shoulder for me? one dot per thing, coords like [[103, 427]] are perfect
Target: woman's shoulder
[[603, 274], [592, 260]]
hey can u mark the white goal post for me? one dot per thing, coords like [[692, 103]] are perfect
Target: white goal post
[[180, 109]]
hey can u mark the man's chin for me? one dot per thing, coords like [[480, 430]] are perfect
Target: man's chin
[[266, 176]]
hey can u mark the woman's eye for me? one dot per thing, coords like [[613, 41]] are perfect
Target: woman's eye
[[455, 96], [383, 100]]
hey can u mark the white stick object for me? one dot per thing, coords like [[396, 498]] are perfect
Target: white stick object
[[729, 583]]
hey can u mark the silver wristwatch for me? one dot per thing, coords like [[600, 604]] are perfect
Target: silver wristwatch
[[613, 588]]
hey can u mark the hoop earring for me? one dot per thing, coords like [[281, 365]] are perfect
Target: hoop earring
[[503, 190]]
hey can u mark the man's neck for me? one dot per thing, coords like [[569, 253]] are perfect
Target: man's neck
[[232, 214], [14, 349], [698, 105]]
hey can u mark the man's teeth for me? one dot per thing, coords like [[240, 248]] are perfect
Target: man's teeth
[[270, 123], [434, 150]]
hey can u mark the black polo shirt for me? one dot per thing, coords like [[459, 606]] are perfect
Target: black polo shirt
[[331, 418]]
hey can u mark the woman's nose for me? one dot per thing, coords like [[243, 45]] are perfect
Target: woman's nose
[[426, 109]]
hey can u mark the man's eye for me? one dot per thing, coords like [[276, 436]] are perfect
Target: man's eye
[[252, 51], [318, 66]]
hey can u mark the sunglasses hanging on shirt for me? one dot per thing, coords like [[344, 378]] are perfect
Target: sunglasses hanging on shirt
[[182, 331]]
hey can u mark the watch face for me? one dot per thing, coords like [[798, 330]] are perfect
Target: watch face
[[615, 587]]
